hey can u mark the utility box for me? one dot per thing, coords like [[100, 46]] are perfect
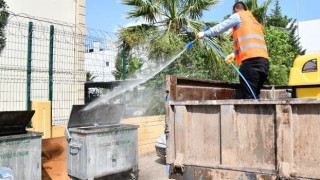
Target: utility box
[[20, 155], [100, 146]]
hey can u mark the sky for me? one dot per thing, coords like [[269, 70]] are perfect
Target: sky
[[109, 15]]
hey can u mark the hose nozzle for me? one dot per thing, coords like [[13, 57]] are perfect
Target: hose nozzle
[[188, 46]]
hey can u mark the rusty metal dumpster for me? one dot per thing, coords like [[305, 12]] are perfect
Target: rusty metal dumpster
[[183, 89], [100, 146], [20, 153], [243, 139]]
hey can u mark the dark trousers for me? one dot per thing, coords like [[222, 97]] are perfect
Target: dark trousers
[[256, 71]]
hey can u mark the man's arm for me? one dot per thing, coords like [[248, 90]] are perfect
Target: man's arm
[[233, 21]]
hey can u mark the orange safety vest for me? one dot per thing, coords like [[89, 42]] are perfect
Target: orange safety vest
[[248, 40]]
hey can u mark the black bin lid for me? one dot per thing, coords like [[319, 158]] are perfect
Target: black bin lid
[[14, 122], [100, 115]]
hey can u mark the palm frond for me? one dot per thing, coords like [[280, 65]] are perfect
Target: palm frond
[[137, 3], [149, 10], [196, 26], [194, 8], [177, 26], [135, 35], [165, 46], [259, 12]]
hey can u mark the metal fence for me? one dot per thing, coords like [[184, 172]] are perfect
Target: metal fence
[[45, 60]]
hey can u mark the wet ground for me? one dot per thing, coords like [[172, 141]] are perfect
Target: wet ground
[[152, 167]]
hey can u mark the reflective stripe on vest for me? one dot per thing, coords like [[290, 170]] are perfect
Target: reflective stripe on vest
[[251, 45], [249, 36]]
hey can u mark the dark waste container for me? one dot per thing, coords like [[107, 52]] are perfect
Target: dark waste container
[[20, 155]]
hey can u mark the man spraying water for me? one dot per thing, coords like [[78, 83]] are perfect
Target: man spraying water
[[250, 50]]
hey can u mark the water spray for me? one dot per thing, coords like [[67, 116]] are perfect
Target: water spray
[[105, 99], [145, 77]]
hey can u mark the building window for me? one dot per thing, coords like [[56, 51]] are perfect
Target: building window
[[107, 64], [310, 66]]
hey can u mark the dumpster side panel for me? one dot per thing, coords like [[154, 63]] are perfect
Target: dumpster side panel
[[112, 152], [306, 140], [248, 140], [272, 138], [275, 94], [204, 93], [22, 156], [180, 124], [203, 137], [103, 153], [184, 89], [170, 134], [247, 136]]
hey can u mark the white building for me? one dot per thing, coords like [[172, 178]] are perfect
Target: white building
[[69, 11], [309, 33], [100, 60]]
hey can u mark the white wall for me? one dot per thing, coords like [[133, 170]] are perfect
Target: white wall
[[95, 62], [309, 32], [60, 10]]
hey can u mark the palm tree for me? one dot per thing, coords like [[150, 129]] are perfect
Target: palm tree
[[173, 15], [169, 22], [259, 12], [90, 77]]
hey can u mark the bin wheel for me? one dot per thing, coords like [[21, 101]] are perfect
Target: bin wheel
[[134, 175]]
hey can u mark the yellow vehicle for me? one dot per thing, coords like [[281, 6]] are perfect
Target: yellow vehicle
[[305, 76]]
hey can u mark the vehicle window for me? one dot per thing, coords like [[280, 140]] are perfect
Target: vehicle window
[[310, 66]]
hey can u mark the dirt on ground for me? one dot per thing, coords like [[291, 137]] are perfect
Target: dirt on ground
[[54, 159], [152, 167]]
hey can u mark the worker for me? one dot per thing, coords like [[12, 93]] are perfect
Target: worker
[[250, 50]]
